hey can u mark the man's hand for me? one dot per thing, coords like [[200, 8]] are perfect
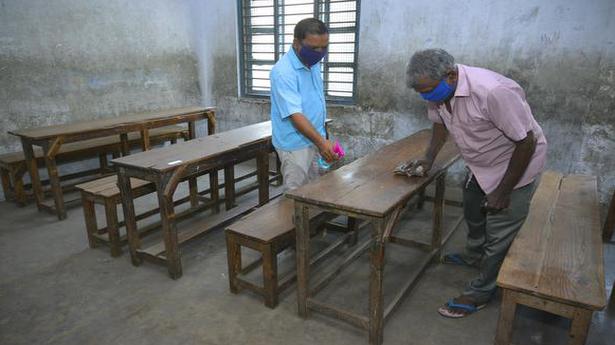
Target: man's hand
[[497, 200], [411, 168], [420, 166], [304, 126], [326, 151]]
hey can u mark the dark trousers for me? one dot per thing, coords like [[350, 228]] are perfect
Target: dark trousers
[[490, 235]]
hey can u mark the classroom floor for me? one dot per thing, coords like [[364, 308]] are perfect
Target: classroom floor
[[55, 290]]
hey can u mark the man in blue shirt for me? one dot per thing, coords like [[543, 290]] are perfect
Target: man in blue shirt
[[298, 108]]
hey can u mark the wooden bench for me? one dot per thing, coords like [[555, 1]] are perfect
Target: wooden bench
[[13, 165], [555, 263], [269, 230], [105, 192]]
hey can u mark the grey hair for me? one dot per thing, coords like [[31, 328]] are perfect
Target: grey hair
[[430, 63]]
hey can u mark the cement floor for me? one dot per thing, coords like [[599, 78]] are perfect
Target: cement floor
[[55, 290]]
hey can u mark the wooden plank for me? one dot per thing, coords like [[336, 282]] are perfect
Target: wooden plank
[[573, 269], [340, 314], [408, 285], [368, 186], [333, 273], [267, 222], [108, 186], [557, 254], [198, 227], [70, 199], [521, 268]]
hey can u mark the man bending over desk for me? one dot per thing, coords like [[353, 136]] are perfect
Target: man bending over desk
[[504, 148], [298, 108]]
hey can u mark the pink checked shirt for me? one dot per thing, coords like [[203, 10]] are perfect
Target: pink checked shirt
[[489, 114]]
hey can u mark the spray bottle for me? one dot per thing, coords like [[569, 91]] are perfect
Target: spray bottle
[[337, 149]]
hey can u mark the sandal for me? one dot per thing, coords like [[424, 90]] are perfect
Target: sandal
[[455, 259], [459, 310]]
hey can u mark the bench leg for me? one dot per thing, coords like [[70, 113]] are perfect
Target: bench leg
[[89, 214], [211, 123], [32, 165], [214, 188], [191, 130], [7, 187], [503, 335], [134, 241], [51, 149], [124, 144], [262, 166], [580, 326], [233, 253], [103, 163], [113, 228], [421, 201], [229, 186], [278, 168], [270, 276], [194, 193], [353, 228], [18, 186]]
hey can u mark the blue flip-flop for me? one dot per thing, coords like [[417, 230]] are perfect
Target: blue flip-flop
[[454, 259], [458, 310]]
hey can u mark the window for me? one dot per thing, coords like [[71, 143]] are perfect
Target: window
[[266, 29]]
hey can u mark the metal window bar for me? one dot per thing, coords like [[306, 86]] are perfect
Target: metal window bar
[[253, 59]]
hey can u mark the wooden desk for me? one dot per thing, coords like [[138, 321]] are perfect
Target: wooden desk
[[51, 138], [367, 189], [167, 166]]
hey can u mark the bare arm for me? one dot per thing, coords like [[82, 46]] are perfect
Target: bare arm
[[439, 134], [303, 125], [438, 138], [521, 157]]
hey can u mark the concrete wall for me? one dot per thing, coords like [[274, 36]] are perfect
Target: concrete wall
[[68, 60], [560, 51]]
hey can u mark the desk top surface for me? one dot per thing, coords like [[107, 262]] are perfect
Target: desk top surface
[[107, 124], [368, 186], [196, 150]]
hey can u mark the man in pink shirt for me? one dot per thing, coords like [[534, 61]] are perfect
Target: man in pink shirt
[[504, 149]]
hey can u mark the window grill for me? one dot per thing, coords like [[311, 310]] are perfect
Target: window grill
[[266, 30]]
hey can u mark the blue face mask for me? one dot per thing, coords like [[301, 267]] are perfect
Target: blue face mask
[[439, 94], [310, 56]]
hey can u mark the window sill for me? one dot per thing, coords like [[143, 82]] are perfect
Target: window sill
[[254, 100], [330, 104]]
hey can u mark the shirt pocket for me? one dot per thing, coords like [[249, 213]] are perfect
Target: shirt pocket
[[476, 131]]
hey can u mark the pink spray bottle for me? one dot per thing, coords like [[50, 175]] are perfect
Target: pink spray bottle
[[339, 151]]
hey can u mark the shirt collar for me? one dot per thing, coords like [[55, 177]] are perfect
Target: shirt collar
[[294, 59], [462, 89]]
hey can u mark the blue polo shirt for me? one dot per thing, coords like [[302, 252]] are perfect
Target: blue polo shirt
[[295, 89]]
